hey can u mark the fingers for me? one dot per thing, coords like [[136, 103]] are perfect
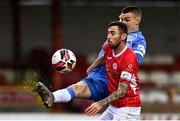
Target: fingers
[[92, 110]]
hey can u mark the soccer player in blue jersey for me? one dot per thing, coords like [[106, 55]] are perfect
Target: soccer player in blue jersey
[[94, 86]]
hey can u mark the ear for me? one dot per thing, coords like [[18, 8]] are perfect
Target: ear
[[138, 19], [123, 36]]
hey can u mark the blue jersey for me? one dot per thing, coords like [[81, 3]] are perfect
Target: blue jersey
[[135, 41]]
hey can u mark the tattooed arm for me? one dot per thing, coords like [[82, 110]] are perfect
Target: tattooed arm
[[97, 106], [115, 95]]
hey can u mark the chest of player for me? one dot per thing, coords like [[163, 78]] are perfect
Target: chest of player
[[114, 66]]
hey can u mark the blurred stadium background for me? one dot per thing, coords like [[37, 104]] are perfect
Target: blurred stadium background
[[31, 31]]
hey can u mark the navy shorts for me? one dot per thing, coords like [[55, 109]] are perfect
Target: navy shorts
[[98, 89]]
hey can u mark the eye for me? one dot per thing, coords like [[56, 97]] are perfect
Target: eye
[[112, 33], [107, 32]]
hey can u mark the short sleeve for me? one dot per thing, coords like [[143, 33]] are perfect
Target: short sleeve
[[101, 53], [129, 68]]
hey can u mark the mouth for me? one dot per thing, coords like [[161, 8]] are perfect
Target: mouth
[[110, 43]]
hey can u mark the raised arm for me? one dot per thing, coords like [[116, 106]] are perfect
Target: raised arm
[[97, 62], [99, 59]]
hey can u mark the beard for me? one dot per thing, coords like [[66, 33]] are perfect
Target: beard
[[113, 46]]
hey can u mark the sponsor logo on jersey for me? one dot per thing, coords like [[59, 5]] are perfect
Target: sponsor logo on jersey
[[126, 75]]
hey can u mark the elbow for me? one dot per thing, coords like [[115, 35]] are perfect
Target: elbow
[[139, 58]]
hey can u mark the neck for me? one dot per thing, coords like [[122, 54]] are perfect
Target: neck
[[119, 49], [133, 29]]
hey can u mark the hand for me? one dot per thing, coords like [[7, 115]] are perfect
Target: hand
[[93, 109]]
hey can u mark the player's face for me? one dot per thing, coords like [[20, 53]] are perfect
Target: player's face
[[113, 37], [131, 20]]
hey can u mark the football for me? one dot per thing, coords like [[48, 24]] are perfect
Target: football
[[64, 60]]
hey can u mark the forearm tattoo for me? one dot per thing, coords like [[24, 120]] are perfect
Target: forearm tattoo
[[115, 95]]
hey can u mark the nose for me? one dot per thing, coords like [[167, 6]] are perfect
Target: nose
[[123, 21], [108, 40], [108, 36]]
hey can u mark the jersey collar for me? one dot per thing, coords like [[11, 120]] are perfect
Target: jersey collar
[[120, 52]]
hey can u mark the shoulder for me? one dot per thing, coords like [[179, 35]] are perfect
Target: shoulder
[[130, 55], [136, 38], [130, 52], [139, 41], [106, 47], [140, 38], [130, 59], [136, 35]]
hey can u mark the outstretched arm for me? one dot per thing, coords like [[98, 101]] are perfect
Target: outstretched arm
[[97, 62], [99, 59], [94, 108]]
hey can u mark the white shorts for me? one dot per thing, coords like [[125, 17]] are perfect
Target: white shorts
[[118, 114]]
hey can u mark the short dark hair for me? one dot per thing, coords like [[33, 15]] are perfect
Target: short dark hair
[[120, 25], [132, 9]]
